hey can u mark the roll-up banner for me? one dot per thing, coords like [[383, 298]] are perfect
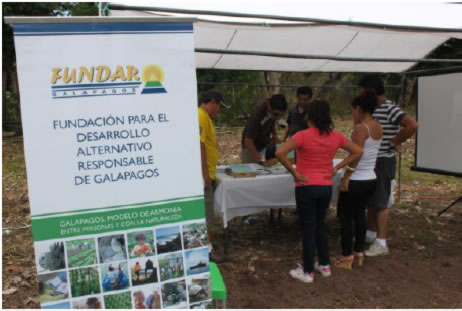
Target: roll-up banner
[[111, 139]]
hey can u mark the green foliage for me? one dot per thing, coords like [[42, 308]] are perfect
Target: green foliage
[[84, 282], [451, 49], [241, 97], [339, 99], [246, 89], [81, 253], [9, 55], [119, 301], [21, 9], [13, 165], [84, 258], [78, 9], [30, 8], [39, 9], [9, 111]]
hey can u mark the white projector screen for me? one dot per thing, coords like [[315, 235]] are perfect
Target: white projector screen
[[439, 113]]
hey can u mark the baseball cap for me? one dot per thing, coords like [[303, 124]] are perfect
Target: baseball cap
[[214, 95]]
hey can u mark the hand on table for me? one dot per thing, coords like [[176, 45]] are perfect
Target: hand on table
[[270, 162]]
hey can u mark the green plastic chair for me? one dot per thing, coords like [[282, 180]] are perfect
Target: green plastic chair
[[218, 285]]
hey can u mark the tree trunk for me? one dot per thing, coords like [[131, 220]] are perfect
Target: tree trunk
[[273, 79], [15, 90], [408, 94], [4, 85]]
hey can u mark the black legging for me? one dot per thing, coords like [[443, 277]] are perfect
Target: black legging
[[352, 214], [312, 204]]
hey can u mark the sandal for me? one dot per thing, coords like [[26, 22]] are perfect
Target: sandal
[[345, 262]]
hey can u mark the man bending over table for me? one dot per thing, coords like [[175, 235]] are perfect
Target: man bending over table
[[260, 130]]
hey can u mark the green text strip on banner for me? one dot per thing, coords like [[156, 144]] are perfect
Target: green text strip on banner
[[60, 227]]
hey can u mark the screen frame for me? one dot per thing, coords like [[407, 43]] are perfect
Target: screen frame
[[433, 72]]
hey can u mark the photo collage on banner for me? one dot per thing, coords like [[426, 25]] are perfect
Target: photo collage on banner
[[117, 209], [160, 267]]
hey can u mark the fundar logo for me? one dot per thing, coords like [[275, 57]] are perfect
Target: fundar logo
[[103, 80]]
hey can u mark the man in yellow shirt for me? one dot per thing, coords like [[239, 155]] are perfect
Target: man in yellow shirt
[[209, 108]]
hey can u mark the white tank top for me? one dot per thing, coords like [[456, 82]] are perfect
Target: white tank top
[[365, 168]]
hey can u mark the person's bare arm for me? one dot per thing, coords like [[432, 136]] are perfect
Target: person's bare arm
[[205, 170], [358, 137], [270, 162], [355, 154], [408, 128], [282, 153], [249, 145]]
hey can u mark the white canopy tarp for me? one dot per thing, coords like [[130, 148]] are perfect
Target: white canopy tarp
[[307, 39]]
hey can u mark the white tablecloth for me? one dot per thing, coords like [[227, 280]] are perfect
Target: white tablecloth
[[246, 196]]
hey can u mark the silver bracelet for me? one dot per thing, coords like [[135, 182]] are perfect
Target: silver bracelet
[[349, 168]]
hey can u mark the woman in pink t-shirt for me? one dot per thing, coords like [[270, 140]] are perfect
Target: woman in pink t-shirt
[[315, 148]]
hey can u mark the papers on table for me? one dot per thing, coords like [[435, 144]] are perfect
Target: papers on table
[[277, 170], [254, 169], [243, 168]]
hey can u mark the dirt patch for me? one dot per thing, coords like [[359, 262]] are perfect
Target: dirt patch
[[422, 271]]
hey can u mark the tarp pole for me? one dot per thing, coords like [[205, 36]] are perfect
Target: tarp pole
[[114, 6], [287, 85], [400, 155], [329, 57]]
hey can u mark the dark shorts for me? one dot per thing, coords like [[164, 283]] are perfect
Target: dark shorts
[[385, 169]]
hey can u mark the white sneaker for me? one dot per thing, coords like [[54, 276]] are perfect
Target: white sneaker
[[376, 250], [369, 240], [324, 270], [299, 274]]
